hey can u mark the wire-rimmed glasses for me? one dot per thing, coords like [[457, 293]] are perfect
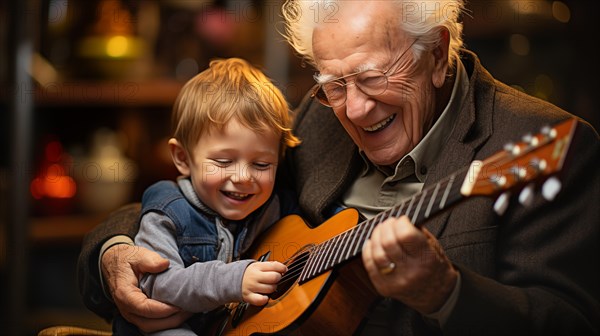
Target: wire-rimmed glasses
[[372, 82]]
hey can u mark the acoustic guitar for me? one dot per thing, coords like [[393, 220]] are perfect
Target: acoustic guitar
[[326, 289]]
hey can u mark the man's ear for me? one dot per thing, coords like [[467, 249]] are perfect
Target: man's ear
[[440, 59], [180, 157]]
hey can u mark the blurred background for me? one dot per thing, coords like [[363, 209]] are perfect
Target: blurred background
[[86, 89]]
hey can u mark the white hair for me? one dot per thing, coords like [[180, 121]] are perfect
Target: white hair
[[421, 19]]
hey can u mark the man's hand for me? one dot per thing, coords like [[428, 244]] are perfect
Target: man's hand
[[261, 278], [122, 267], [421, 276]]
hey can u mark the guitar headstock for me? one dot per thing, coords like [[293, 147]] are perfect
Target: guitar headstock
[[535, 157]]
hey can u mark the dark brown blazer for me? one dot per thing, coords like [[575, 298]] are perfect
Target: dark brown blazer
[[534, 270]]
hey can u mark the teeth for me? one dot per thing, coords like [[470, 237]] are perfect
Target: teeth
[[236, 195], [379, 125]]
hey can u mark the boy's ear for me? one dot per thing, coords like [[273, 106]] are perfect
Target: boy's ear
[[180, 157]]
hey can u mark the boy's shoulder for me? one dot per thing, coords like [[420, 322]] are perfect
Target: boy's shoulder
[[160, 194]]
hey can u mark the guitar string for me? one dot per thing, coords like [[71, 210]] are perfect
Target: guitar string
[[295, 266], [298, 264]]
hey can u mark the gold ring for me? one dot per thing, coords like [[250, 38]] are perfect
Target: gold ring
[[387, 269]]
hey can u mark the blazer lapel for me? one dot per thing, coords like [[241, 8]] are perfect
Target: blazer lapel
[[473, 127]]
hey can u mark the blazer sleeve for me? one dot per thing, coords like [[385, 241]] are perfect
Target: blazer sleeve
[[124, 221]]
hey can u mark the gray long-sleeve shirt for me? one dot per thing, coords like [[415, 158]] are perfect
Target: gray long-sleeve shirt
[[201, 287]]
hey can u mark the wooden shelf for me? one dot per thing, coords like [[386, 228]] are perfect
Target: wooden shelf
[[108, 93]]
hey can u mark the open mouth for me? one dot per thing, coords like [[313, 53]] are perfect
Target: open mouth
[[236, 195], [380, 125]]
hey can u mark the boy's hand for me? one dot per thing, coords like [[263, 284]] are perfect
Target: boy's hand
[[260, 279]]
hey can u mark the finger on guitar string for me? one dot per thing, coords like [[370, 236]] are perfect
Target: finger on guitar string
[[404, 240]]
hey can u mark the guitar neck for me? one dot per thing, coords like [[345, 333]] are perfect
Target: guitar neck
[[419, 208], [535, 156]]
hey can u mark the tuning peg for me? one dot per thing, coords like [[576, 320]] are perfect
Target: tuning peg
[[551, 188], [533, 141], [549, 132], [538, 165], [526, 195], [519, 173], [512, 148], [501, 203]]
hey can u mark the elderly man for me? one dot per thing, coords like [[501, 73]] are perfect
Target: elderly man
[[399, 105]]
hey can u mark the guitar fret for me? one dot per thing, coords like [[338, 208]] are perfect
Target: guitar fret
[[416, 214], [371, 227], [432, 200], [352, 242], [322, 257], [383, 216], [312, 259], [326, 252], [399, 212], [412, 200], [344, 245], [339, 243], [330, 253], [363, 229], [443, 201], [319, 258]]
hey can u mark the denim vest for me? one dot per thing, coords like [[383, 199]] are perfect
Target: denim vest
[[197, 232], [200, 236]]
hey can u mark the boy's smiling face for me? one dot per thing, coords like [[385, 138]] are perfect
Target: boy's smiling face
[[232, 169]]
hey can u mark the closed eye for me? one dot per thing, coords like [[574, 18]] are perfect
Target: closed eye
[[222, 162], [262, 165]]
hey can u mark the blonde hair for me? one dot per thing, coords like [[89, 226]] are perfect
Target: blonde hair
[[421, 20], [230, 88]]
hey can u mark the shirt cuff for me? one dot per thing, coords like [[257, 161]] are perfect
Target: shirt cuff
[[442, 315], [116, 240]]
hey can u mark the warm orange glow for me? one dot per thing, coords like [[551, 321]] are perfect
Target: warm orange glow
[[53, 181], [58, 187]]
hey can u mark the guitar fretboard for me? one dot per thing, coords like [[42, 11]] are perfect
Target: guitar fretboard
[[419, 208]]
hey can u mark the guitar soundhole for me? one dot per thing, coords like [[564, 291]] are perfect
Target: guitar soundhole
[[295, 266]]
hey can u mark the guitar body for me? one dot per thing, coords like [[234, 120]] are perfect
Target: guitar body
[[334, 302]]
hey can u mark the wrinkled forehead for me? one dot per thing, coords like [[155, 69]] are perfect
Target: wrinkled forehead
[[367, 28]]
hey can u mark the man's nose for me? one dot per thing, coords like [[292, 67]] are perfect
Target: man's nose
[[358, 104]]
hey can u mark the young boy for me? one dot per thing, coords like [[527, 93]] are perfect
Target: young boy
[[231, 127]]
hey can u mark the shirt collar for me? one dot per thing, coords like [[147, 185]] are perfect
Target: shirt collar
[[186, 187]]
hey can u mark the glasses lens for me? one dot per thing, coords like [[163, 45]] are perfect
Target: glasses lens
[[321, 96], [336, 93], [372, 82]]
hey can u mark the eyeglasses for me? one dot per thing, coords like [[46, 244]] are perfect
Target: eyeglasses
[[372, 82]]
